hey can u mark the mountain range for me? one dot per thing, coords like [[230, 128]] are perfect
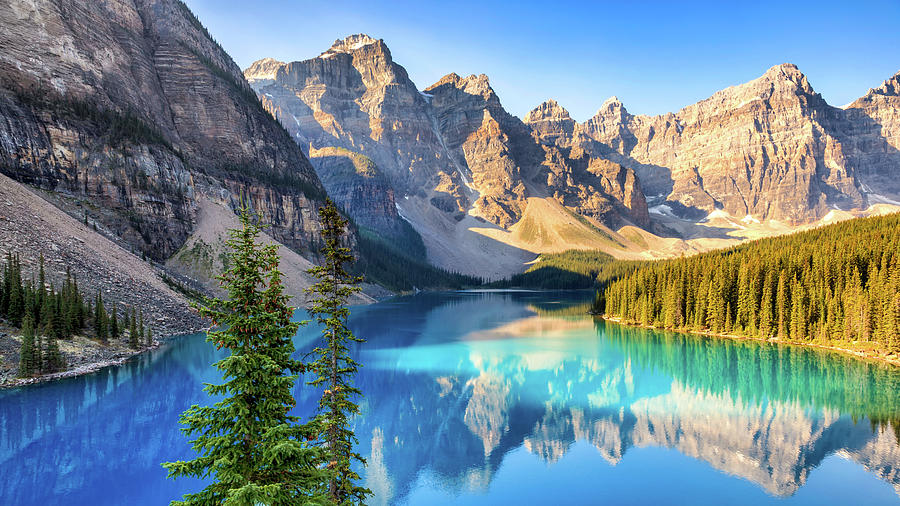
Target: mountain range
[[485, 189], [132, 119]]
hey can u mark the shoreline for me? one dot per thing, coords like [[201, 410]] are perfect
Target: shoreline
[[891, 360], [92, 367]]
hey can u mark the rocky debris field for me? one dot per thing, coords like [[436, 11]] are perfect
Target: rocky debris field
[[31, 226]]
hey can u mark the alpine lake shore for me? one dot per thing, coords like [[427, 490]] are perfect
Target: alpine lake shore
[[868, 351]]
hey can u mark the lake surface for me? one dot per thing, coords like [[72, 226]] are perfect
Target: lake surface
[[502, 398]]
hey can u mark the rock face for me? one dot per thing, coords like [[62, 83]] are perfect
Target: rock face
[[134, 109], [354, 182], [452, 145], [770, 148], [873, 140]]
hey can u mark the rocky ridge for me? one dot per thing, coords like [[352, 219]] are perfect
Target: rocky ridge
[[451, 151], [769, 149], [134, 109]]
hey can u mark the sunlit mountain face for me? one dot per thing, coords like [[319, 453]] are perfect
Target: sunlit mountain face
[[495, 397]]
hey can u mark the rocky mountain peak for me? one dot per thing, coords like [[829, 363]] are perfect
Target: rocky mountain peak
[[890, 88], [788, 72], [477, 85], [548, 110], [350, 44], [611, 104], [265, 68]]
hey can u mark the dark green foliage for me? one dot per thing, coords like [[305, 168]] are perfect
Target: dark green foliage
[[250, 445], [29, 360], [114, 322], [840, 282], [570, 269], [53, 359], [134, 339], [398, 264], [334, 367], [52, 315], [101, 324]]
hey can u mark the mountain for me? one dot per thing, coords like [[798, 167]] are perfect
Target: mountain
[[874, 140], [469, 173], [132, 114], [769, 149]]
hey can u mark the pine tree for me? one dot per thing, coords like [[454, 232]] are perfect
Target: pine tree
[[27, 365], [134, 339], [52, 359], [256, 452], [100, 319], [149, 337], [334, 368], [114, 322]]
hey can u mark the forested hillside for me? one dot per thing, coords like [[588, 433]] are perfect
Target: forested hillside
[[840, 282], [570, 269]]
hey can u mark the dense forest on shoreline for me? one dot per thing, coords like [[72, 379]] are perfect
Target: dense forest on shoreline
[[569, 270], [836, 283], [46, 315]]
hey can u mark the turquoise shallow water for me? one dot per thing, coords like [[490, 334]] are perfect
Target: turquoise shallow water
[[502, 398]]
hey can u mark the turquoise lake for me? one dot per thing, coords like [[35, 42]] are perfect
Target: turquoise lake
[[501, 398]]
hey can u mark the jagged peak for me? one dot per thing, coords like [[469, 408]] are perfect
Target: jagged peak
[[787, 72], [474, 84], [265, 68], [349, 44], [549, 109], [451, 78], [890, 87], [611, 101], [611, 104]]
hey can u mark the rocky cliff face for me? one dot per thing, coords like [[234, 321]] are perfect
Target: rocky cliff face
[[872, 140], [132, 111], [769, 149], [452, 145], [355, 184]]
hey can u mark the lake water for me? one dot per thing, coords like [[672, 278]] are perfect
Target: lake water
[[502, 398]]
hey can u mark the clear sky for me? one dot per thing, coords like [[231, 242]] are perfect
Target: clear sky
[[655, 56]]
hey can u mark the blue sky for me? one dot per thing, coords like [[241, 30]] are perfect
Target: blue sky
[[655, 56]]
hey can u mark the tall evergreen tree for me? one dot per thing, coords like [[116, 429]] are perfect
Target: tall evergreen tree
[[27, 364], [334, 367], [100, 322], [256, 451], [114, 322]]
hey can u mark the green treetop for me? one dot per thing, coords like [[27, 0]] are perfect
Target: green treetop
[[256, 452], [334, 368]]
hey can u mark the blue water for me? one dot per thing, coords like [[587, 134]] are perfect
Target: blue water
[[501, 398]]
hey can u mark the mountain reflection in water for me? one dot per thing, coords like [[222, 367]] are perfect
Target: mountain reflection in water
[[515, 372], [466, 392]]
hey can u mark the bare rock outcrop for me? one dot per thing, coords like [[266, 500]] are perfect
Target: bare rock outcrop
[[771, 148], [133, 108]]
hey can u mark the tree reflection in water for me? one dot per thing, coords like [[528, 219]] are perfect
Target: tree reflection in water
[[456, 383]]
